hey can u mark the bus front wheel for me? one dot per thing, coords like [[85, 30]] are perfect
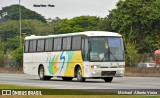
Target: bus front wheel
[[108, 79], [41, 74], [79, 75]]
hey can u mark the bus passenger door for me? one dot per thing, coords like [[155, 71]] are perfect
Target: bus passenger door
[[85, 55]]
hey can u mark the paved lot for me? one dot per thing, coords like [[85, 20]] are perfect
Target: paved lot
[[117, 83]]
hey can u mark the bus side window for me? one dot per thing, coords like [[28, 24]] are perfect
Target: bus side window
[[32, 46], [40, 45], [57, 43], [48, 44], [26, 47], [76, 43], [66, 43]]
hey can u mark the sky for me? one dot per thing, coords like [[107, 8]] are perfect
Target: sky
[[66, 8]]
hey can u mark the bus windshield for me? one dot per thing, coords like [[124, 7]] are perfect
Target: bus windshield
[[103, 49]]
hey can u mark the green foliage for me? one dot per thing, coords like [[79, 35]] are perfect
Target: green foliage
[[132, 56], [77, 24], [35, 27], [12, 13], [137, 20], [1, 55], [9, 29], [13, 43], [1, 49], [17, 54]]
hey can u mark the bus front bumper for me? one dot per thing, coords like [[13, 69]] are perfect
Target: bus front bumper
[[106, 72]]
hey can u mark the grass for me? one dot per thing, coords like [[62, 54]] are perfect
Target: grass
[[81, 96], [47, 91], [7, 86], [60, 93]]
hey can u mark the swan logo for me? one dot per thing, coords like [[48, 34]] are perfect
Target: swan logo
[[57, 62], [62, 58]]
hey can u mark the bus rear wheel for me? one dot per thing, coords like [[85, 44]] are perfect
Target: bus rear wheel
[[108, 79], [79, 75], [67, 78], [41, 74]]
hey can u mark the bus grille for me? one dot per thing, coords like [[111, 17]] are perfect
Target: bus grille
[[108, 73]]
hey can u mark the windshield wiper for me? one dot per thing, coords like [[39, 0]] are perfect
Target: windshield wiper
[[106, 53], [113, 56], [110, 53]]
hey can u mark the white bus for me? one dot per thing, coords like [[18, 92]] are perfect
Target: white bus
[[82, 55]]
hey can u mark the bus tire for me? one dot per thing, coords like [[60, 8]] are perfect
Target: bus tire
[[79, 75], [67, 78], [41, 74], [108, 79]]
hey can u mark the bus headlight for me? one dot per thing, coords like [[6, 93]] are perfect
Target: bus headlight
[[94, 72], [95, 66]]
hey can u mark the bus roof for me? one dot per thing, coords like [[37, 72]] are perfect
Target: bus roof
[[86, 33]]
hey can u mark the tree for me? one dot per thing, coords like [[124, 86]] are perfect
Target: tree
[[12, 13], [13, 43], [9, 31], [1, 49], [35, 27], [132, 56], [17, 54], [137, 20], [76, 24]]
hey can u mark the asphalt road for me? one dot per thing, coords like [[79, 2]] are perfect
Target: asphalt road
[[58, 83]]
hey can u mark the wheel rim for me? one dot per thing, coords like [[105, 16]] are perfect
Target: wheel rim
[[79, 74], [41, 73]]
